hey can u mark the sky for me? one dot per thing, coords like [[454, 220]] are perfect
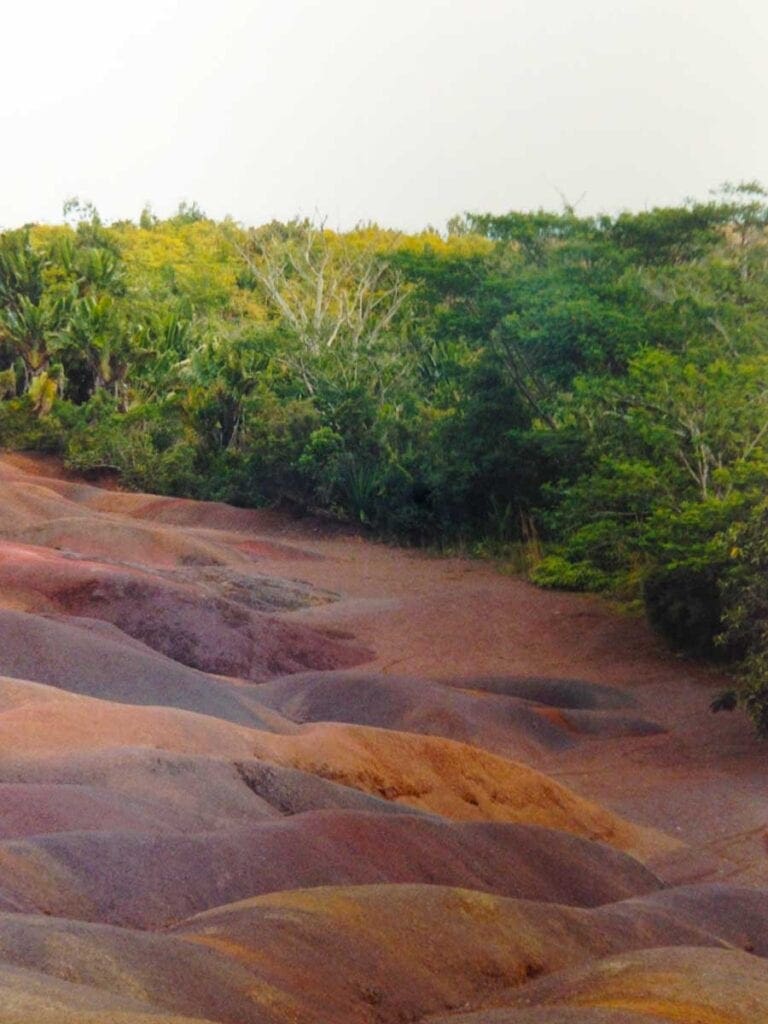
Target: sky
[[402, 112]]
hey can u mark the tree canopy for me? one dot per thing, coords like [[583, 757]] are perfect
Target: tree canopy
[[588, 394]]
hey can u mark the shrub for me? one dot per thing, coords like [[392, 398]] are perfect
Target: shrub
[[685, 606], [147, 448], [23, 429], [557, 572]]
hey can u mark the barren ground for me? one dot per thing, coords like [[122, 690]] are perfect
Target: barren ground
[[256, 769]]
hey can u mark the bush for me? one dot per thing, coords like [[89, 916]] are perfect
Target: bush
[[685, 606], [22, 429], [744, 591], [603, 544], [557, 573], [148, 449]]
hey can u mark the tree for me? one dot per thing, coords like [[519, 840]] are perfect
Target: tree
[[31, 317], [696, 413], [339, 298], [100, 331]]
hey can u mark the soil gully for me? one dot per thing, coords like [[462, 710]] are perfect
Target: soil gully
[[424, 786]]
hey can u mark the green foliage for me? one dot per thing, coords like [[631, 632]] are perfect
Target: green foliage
[[597, 386], [684, 605], [744, 596], [8, 383], [560, 573], [23, 429], [146, 447], [671, 235]]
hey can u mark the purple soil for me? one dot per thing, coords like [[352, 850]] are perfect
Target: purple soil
[[96, 659], [146, 813], [690, 985], [172, 975], [180, 792], [38, 809], [736, 914], [506, 726], [510, 726], [150, 881], [418, 950], [184, 623], [558, 693]]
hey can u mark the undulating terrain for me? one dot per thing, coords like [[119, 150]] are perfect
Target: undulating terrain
[[256, 770]]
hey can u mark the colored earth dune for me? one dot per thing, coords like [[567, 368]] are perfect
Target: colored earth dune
[[254, 770]]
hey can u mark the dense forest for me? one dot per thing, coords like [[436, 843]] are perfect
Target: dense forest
[[586, 397]]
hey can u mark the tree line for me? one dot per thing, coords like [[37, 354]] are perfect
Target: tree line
[[587, 395]]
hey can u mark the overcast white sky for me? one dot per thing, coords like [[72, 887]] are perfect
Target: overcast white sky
[[399, 111]]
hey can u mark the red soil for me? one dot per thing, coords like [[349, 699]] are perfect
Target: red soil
[[120, 875], [700, 986], [448, 948], [144, 777], [178, 619], [702, 779]]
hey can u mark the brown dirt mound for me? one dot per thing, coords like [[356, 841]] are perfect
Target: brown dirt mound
[[436, 775], [413, 950], [212, 515], [266, 549], [184, 623], [191, 793], [512, 728], [93, 524], [96, 659], [686, 986], [33, 997], [30, 809], [737, 914], [574, 694], [112, 538], [151, 881], [366, 953], [26, 506], [251, 589], [451, 779], [168, 975], [19, 471], [606, 724], [37, 719]]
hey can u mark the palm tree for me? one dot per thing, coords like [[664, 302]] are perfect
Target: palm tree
[[30, 320], [99, 332], [33, 332]]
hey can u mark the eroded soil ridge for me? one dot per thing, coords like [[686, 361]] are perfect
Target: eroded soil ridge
[[255, 771]]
